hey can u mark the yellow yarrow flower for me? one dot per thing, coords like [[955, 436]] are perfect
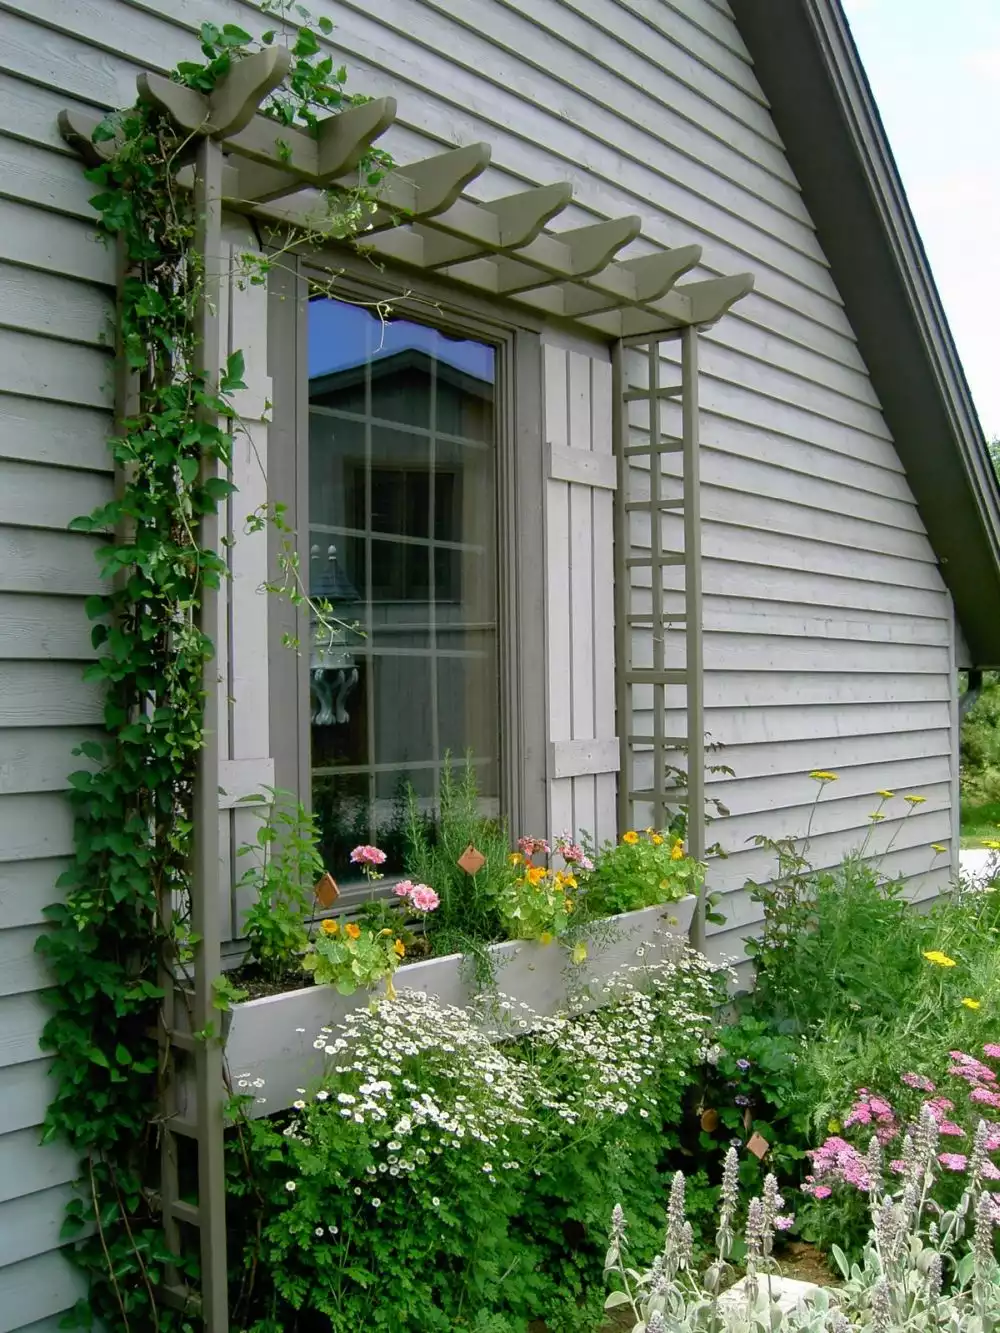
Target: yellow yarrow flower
[[876, 817], [941, 849], [821, 775], [915, 800], [991, 844], [971, 1004], [886, 795], [834, 1127], [631, 837], [330, 927], [938, 958], [579, 952]]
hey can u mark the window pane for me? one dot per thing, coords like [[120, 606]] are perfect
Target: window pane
[[402, 514]]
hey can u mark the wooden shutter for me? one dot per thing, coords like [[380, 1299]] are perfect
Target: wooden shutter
[[246, 766], [583, 751]]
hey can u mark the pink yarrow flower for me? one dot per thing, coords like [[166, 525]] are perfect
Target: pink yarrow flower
[[367, 855], [423, 898], [992, 1050], [918, 1081], [953, 1161], [784, 1222], [985, 1097]]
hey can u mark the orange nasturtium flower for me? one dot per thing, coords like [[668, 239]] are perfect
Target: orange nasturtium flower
[[400, 948], [535, 874], [656, 840], [631, 837], [938, 958], [352, 930], [678, 852], [330, 927]]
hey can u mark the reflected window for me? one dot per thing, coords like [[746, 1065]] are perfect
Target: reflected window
[[402, 543]]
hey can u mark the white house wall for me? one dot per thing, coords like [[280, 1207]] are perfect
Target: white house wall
[[830, 630]]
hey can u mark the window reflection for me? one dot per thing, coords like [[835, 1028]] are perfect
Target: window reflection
[[402, 501]]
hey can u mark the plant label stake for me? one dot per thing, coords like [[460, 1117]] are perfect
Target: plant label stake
[[758, 1145], [472, 860], [326, 890]]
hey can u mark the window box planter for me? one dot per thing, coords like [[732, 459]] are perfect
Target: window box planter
[[272, 1038]]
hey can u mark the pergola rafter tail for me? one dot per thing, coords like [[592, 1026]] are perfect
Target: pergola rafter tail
[[421, 219]]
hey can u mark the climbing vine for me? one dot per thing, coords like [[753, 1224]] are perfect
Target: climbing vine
[[110, 944]]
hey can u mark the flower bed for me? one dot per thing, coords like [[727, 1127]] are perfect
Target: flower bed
[[272, 1039]]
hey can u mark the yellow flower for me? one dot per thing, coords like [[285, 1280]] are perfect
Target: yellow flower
[[329, 927], [631, 837], [941, 849], [535, 875], [579, 951], [915, 800], [886, 795], [656, 840], [876, 817], [546, 937], [834, 1127], [971, 1004], [515, 858], [821, 775], [353, 931], [569, 904], [678, 853], [991, 844], [938, 958], [399, 948], [565, 880]]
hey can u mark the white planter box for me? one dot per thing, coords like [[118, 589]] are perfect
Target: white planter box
[[272, 1038]]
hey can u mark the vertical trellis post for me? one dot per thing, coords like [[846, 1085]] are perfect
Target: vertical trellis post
[[652, 747]]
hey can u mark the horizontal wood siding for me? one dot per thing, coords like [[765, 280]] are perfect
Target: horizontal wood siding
[[829, 628], [56, 299]]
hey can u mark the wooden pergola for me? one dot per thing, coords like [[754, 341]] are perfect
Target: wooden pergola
[[243, 160]]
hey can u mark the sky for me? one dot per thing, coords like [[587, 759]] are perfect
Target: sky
[[934, 67]]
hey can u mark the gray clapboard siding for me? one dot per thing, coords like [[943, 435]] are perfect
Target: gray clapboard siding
[[39, 627], [38, 825], [38, 1290], [58, 307], [30, 112], [760, 793], [741, 617], [834, 754], [54, 244], [30, 1225], [62, 373], [25, 1092], [33, 496], [32, 561], [27, 1165], [783, 722], [49, 180], [26, 887], [54, 434], [22, 1018], [21, 968], [40, 760], [47, 694]]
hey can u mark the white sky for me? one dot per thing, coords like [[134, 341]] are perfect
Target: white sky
[[934, 67]]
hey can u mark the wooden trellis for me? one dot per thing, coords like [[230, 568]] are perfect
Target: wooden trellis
[[243, 160]]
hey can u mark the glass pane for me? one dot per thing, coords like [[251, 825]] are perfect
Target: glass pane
[[402, 515]]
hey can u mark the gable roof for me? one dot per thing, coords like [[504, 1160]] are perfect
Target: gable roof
[[822, 105]]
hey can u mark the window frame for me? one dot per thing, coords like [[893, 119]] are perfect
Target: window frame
[[520, 480]]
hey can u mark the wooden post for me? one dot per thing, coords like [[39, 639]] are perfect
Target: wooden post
[[695, 663]]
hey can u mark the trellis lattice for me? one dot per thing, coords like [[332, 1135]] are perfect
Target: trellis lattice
[[241, 159]]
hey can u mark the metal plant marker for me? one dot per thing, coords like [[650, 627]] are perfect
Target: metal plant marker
[[248, 163]]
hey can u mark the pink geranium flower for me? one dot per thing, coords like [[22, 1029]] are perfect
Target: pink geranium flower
[[423, 898], [367, 855], [529, 846], [403, 889]]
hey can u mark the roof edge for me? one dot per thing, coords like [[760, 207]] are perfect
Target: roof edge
[[824, 109]]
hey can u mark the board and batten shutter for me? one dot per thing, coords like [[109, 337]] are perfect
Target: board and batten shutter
[[246, 766], [581, 478]]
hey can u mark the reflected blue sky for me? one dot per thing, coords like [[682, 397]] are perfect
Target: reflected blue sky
[[343, 335]]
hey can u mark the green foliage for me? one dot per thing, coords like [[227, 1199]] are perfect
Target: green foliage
[[353, 957], [438, 1180], [980, 752], [280, 885], [111, 940], [641, 870], [469, 915]]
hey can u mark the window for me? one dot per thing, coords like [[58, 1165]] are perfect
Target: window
[[402, 541]]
